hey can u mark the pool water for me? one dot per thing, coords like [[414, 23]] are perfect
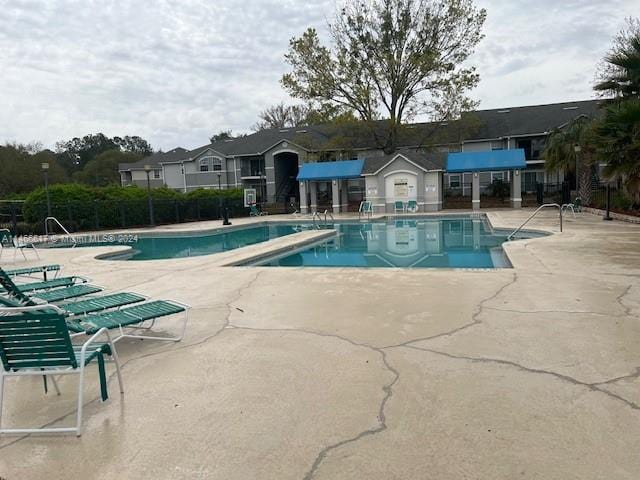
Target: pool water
[[155, 248], [455, 242]]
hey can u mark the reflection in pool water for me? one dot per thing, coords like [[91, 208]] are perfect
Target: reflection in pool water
[[457, 242]]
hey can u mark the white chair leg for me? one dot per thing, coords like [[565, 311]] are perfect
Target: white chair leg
[[80, 402], [1, 395], [55, 384], [116, 360]]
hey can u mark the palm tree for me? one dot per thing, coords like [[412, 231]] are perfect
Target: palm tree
[[617, 138], [561, 153], [620, 73]]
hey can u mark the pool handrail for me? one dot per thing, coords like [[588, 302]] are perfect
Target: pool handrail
[[57, 222], [546, 205]]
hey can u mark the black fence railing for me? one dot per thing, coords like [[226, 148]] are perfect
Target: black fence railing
[[22, 218], [619, 200], [559, 193]]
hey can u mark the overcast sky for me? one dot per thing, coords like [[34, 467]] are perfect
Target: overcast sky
[[174, 72]]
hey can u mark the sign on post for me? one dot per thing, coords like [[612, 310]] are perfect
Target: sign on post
[[249, 197]]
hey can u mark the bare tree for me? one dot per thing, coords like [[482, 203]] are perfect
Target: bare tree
[[390, 59]]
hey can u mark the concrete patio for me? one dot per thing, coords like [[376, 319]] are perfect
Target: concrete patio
[[292, 373]]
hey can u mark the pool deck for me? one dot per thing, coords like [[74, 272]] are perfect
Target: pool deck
[[341, 373]]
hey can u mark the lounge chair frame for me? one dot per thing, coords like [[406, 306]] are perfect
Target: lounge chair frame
[[62, 370], [124, 330]]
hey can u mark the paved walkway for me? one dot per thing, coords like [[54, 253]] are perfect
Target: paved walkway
[[292, 373]]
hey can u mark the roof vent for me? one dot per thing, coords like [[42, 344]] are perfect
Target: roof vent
[[444, 124], [229, 140], [300, 131], [504, 111], [284, 130], [570, 108]]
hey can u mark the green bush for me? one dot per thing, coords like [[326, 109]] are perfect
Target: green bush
[[83, 207]]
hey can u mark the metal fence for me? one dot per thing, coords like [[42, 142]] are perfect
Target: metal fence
[[24, 218], [457, 196], [559, 193], [618, 199]]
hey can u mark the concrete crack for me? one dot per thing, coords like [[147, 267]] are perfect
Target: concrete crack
[[629, 376], [474, 318], [387, 389], [620, 300], [568, 312], [595, 387]]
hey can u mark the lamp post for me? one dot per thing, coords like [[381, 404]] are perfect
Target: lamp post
[[607, 215], [147, 170], [224, 210], [45, 171], [260, 185], [577, 149]]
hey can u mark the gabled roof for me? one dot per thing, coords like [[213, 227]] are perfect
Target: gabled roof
[[155, 160], [259, 142], [473, 126], [426, 160], [529, 120]]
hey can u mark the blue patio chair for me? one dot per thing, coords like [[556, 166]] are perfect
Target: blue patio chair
[[398, 206]]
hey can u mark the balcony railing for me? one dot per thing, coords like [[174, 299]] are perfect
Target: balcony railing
[[250, 171]]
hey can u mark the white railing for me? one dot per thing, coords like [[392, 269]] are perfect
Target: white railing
[[546, 205], [55, 220]]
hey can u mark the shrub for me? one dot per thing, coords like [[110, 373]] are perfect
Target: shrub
[[83, 207]]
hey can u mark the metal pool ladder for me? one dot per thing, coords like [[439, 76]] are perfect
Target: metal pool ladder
[[325, 224], [546, 205], [57, 222]]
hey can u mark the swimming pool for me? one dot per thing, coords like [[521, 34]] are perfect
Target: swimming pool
[[444, 242], [457, 241], [157, 248]]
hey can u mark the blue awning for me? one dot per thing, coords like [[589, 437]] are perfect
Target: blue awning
[[486, 161], [331, 170]]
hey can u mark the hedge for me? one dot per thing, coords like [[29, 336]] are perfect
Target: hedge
[[83, 207]]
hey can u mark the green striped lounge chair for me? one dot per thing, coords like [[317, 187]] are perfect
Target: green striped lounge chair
[[412, 206], [56, 290], [35, 340], [123, 311], [398, 206], [89, 315], [31, 271], [86, 305], [140, 317]]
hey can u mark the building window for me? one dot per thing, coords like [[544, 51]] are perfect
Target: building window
[[205, 164], [497, 176], [454, 181], [210, 164], [157, 174]]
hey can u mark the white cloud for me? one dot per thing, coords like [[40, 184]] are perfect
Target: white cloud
[[174, 72]]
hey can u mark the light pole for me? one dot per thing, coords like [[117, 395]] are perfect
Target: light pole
[[45, 171], [147, 170], [260, 185], [607, 215], [219, 195], [577, 149], [224, 213]]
